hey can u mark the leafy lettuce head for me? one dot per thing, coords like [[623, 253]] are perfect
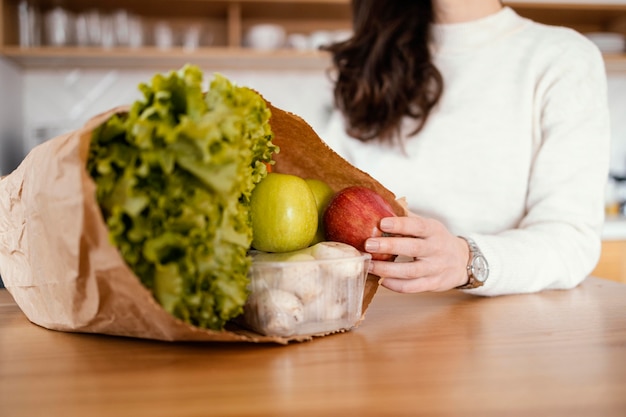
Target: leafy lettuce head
[[173, 180]]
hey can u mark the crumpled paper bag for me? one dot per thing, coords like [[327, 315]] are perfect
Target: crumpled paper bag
[[58, 264]]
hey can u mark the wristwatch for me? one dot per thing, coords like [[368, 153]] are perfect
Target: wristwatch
[[477, 267]]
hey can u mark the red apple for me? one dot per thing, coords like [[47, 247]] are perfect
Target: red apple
[[353, 216]]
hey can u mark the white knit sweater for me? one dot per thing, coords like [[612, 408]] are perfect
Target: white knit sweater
[[515, 155]]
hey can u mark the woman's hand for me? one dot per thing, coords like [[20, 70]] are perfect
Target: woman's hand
[[439, 258]]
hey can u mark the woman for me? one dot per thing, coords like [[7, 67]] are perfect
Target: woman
[[495, 128]]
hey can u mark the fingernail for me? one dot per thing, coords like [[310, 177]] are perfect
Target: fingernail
[[371, 245], [370, 267], [386, 223]]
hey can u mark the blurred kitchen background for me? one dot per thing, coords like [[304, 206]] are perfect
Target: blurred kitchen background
[[64, 61]]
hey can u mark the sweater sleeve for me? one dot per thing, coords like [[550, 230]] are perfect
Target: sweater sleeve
[[557, 243]]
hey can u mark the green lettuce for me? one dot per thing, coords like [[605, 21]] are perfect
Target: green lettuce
[[173, 180]]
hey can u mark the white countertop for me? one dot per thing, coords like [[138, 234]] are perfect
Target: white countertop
[[614, 228]]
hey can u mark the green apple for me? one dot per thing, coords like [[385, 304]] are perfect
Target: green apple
[[283, 213], [323, 194]]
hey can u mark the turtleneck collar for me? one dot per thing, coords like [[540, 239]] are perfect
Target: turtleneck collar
[[459, 37]]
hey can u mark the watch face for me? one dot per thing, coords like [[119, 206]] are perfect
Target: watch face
[[480, 268]]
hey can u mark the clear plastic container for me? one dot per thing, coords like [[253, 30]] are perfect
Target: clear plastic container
[[306, 297]]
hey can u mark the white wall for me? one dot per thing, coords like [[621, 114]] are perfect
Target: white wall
[[56, 101], [11, 147], [617, 103]]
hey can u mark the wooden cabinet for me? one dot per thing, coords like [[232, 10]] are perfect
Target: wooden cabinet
[[229, 21], [612, 263]]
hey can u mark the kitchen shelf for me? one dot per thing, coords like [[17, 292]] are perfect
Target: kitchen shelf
[[217, 58], [615, 62], [231, 19]]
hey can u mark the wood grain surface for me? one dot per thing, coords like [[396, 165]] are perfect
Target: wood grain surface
[[556, 353]]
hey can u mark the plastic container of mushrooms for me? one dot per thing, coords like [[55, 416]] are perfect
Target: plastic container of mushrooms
[[315, 291]]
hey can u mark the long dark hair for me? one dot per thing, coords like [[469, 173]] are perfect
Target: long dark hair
[[385, 72]]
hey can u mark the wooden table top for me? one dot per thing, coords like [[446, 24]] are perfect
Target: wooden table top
[[556, 353]]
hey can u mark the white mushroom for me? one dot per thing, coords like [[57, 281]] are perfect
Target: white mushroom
[[274, 312], [321, 284], [340, 269], [335, 311], [301, 277], [333, 250]]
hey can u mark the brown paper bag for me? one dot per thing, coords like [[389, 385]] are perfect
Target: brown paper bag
[[58, 264]]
